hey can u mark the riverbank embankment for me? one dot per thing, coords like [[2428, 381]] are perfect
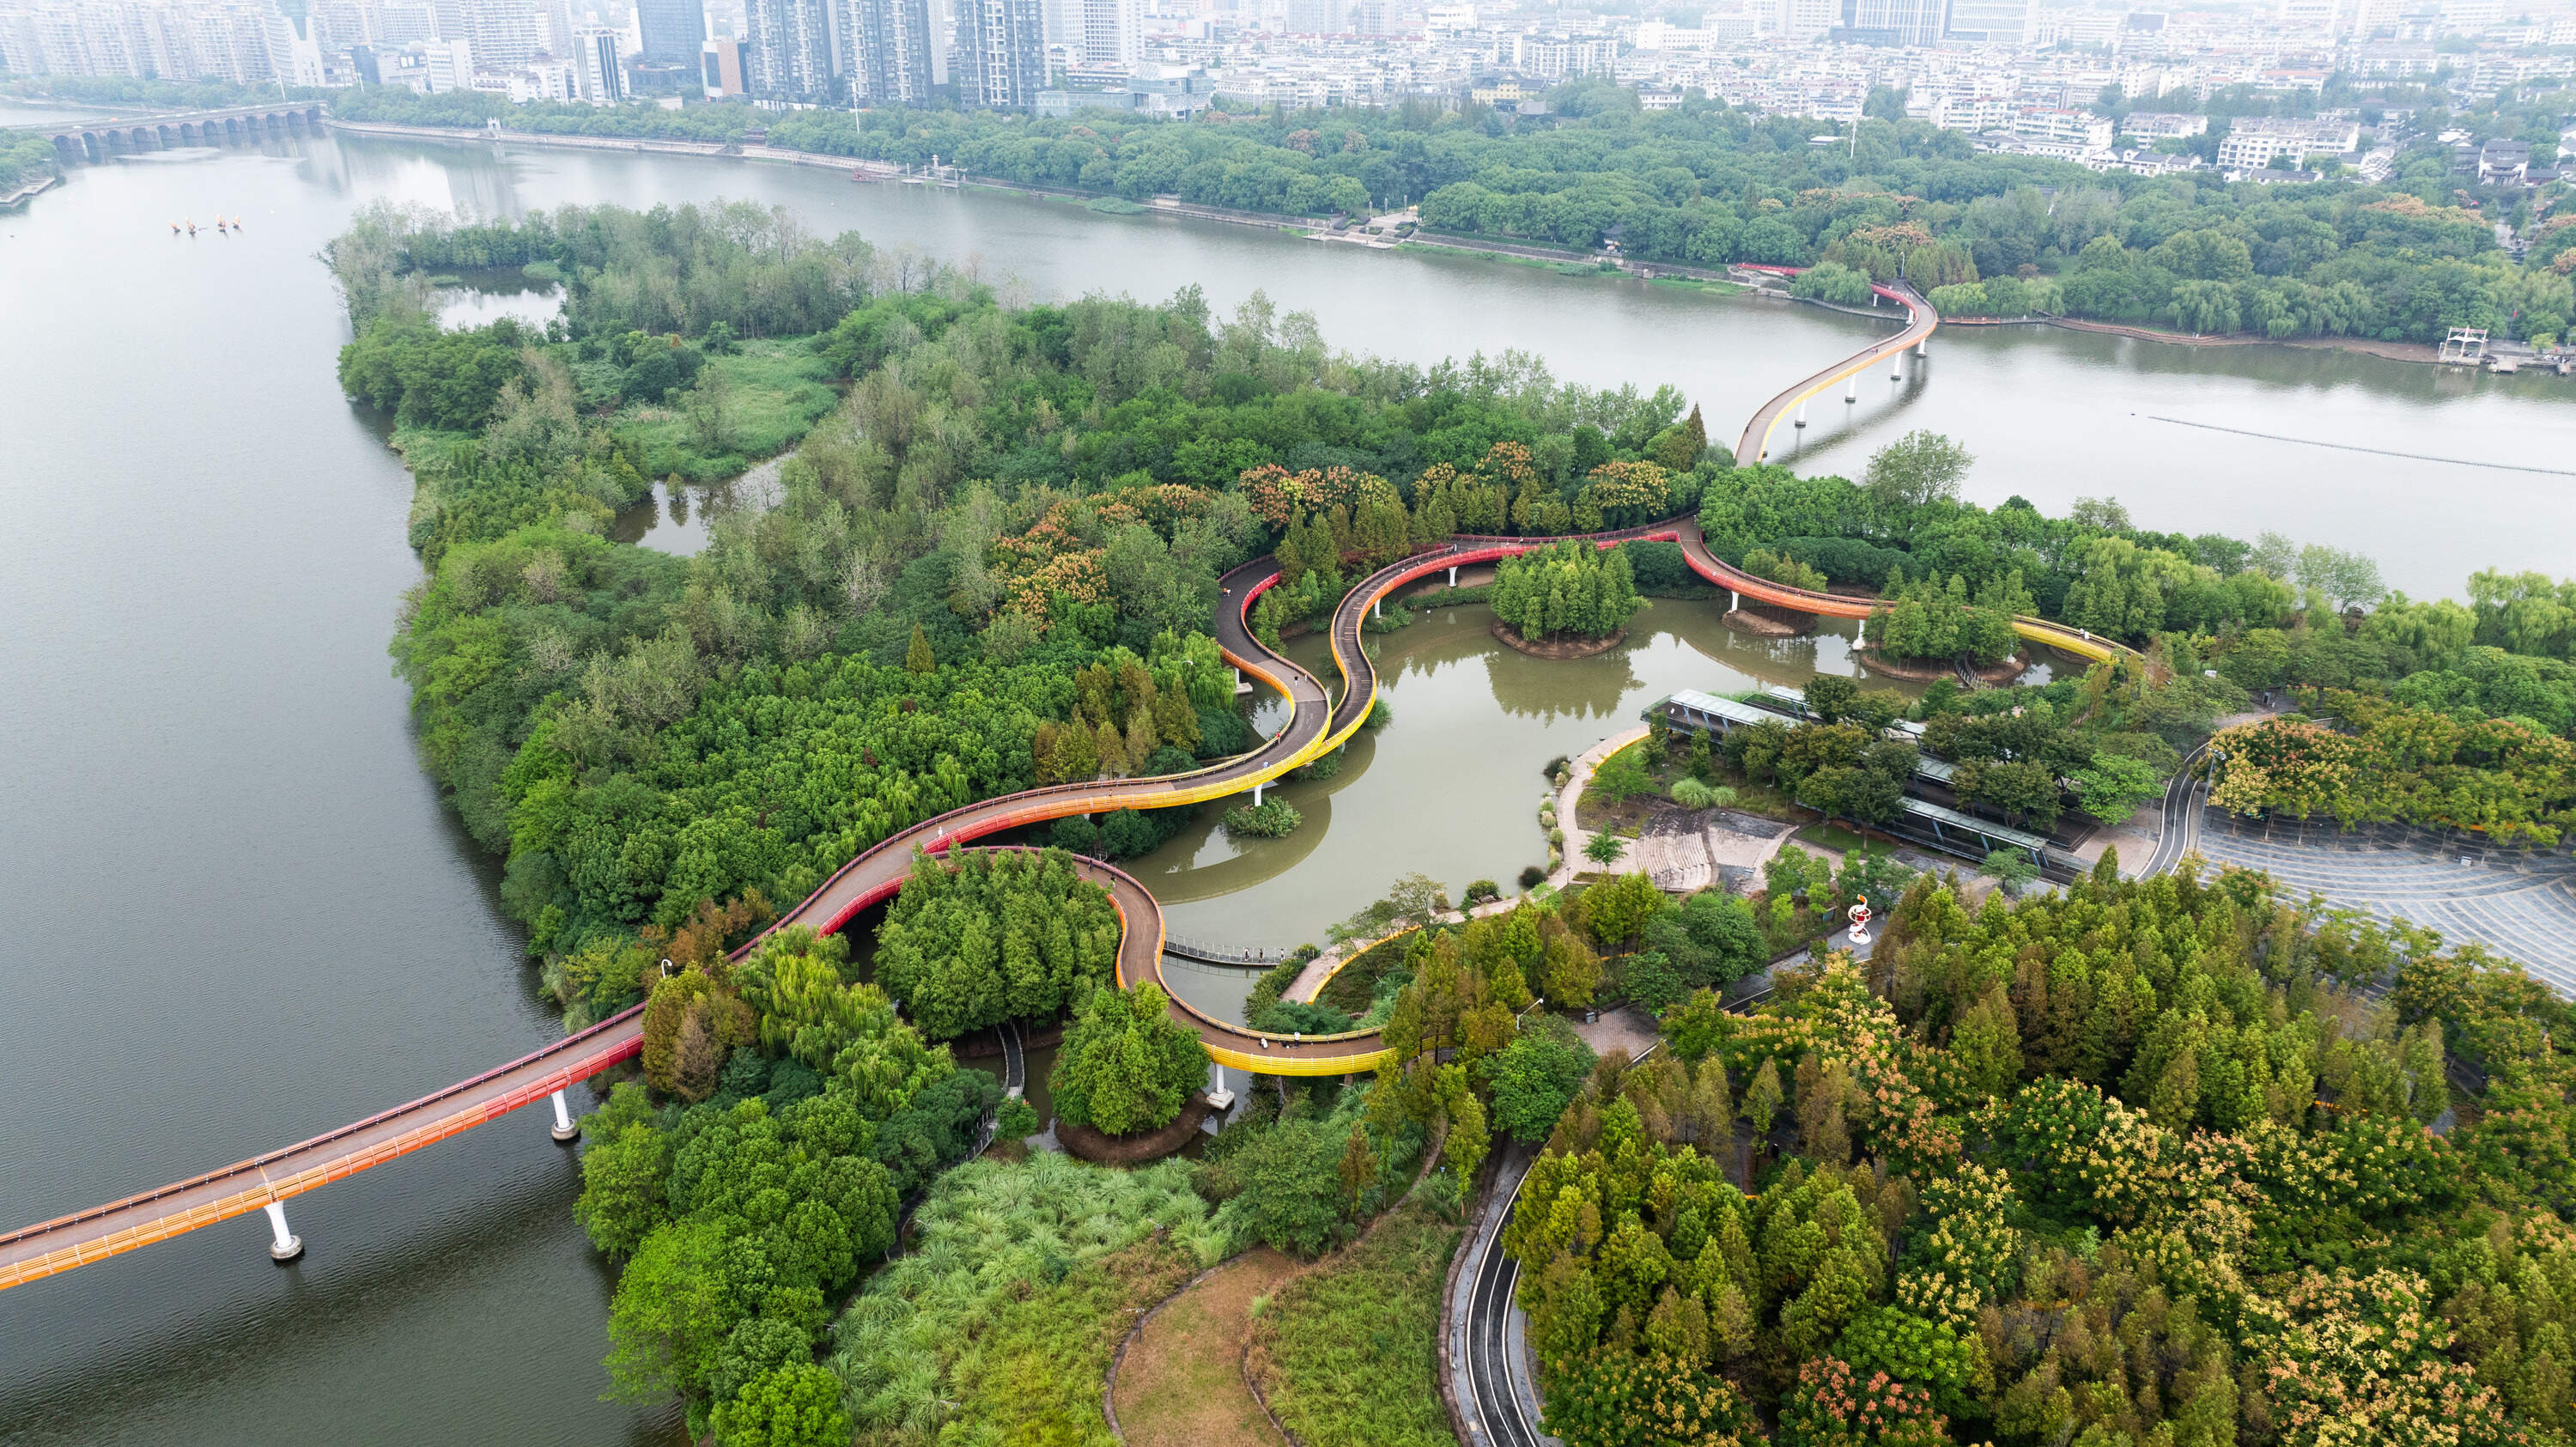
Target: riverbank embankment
[[2417, 352]]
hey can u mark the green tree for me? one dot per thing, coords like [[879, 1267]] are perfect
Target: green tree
[[1605, 848], [916, 657], [1126, 1065], [2114, 785], [1534, 1077], [624, 1176], [1617, 910], [1829, 697], [798, 1405], [1915, 471]]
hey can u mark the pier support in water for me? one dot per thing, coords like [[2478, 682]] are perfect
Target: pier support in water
[[565, 1132], [1256, 794], [1851, 390], [1377, 607], [288, 1245], [1923, 348], [1802, 413], [1453, 575], [1734, 601], [1896, 368]]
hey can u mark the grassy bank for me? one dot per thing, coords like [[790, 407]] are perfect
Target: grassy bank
[[779, 388], [1346, 1354]]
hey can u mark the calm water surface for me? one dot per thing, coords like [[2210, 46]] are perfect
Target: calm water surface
[[243, 917]]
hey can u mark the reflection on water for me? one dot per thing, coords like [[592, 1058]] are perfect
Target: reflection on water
[[1452, 786], [1216, 989], [492, 297], [669, 521]]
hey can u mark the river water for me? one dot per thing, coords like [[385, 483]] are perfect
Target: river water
[[242, 915]]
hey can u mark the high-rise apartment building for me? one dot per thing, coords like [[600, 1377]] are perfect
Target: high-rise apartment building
[[1111, 33], [792, 51], [893, 51], [1001, 48], [671, 30]]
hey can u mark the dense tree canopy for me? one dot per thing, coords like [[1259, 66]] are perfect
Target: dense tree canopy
[[2145, 1159], [994, 937]]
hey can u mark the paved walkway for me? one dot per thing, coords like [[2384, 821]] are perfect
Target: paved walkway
[[2522, 905]]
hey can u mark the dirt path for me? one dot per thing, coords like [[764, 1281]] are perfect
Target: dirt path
[[1181, 1383]]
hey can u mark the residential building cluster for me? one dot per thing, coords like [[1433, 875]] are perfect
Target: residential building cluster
[[2027, 76], [525, 49]]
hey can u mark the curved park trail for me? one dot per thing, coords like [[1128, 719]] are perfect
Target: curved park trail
[[1180, 1383]]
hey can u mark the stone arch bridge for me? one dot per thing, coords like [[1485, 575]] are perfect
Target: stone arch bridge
[[98, 140]]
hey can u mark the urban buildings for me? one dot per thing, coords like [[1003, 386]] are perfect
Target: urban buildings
[[1001, 46], [2253, 143], [892, 45], [790, 52]]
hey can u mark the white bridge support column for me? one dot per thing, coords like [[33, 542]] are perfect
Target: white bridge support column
[[1896, 368], [1218, 1096], [1256, 796], [288, 1245], [1734, 601], [1851, 389], [1378, 607], [1802, 412], [1453, 575], [1923, 348], [565, 1131]]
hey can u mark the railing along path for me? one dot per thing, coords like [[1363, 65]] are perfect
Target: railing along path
[[1318, 723]]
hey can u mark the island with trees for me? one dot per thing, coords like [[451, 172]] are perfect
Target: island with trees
[[2163, 1160]]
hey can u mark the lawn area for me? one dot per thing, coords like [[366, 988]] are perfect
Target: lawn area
[[1839, 839], [780, 390], [1347, 1353], [1354, 986], [1594, 813], [1181, 1384]]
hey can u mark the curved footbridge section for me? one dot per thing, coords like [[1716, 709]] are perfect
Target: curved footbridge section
[[1319, 720], [1755, 445]]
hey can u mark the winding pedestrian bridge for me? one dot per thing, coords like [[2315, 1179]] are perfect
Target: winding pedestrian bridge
[[1319, 721], [1755, 445]]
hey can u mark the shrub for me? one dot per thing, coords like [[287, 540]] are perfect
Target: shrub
[[1346, 1353], [1274, 819], [1018, 1120], [1692, 794]]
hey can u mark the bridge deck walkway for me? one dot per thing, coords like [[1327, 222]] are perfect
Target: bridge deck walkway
[[1318, 722]]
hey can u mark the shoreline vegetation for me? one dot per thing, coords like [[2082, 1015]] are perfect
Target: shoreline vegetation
[[991, 565], [1568, 262], [1703, 187]]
